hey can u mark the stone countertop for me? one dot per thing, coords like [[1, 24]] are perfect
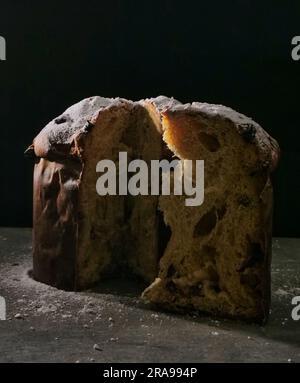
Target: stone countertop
[[110, 324]]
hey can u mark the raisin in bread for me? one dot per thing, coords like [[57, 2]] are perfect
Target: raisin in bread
[[212, 258]]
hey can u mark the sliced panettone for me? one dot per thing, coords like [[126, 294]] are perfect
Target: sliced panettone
[[212, 258]]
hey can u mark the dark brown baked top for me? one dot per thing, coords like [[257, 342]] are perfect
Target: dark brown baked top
[[56, 138]]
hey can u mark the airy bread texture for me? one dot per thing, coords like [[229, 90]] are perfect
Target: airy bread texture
[[213, 258]]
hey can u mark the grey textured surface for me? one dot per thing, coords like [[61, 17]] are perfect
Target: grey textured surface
[[48, 325]]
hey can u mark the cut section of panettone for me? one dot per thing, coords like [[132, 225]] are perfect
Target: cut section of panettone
[[218, 257], [213, 257]]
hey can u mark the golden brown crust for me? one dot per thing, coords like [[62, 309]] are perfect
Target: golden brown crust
[[251, 131]]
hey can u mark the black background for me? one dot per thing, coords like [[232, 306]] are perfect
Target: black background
[[237, 53]]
